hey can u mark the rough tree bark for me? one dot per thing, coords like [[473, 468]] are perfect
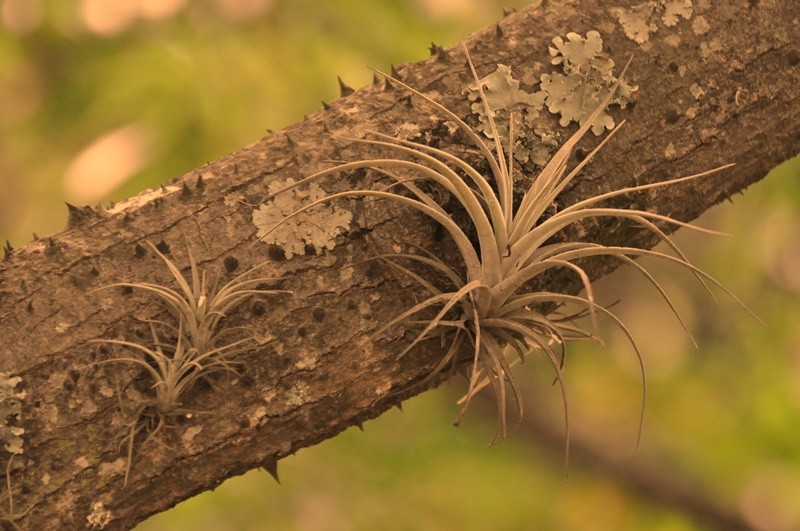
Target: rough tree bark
[[720, 87]]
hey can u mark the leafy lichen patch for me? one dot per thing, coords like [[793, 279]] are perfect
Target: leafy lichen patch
[[297, 395], [587, 78], [711, 48], [572, 93], [306, 362], [639, 22], [317, 227], [674, 10], [109, 469], [504, 98], [99, 517], [700, 25], [502, 94], [697, 91], [11, 406], [579, 54]]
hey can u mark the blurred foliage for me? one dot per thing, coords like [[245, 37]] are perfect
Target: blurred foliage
[[97, 105]]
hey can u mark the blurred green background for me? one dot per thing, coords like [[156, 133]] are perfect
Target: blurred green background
[[100, 99]]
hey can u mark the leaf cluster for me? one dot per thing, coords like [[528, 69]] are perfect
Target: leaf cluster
[[484, 306], [198, 351]]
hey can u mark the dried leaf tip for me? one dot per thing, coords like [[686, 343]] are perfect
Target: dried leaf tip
[[344, 89]]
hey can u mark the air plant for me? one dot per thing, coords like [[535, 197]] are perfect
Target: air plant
[[175, 367], [487, 306]]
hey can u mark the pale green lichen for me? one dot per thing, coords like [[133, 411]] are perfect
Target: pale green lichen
[[504, 98], [502, 94], [10, 406], [637, 22], [673, 9], [700, 26], [640, 21], [536, 148], [578, 54], [297, 395], [317, 227], [99, 517], [585, 78]]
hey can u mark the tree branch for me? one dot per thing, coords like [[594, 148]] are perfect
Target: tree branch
[[710, 92]]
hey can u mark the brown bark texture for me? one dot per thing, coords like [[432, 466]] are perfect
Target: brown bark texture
[[720, 87]]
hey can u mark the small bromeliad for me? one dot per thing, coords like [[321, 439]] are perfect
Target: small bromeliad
[[485, 306]]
